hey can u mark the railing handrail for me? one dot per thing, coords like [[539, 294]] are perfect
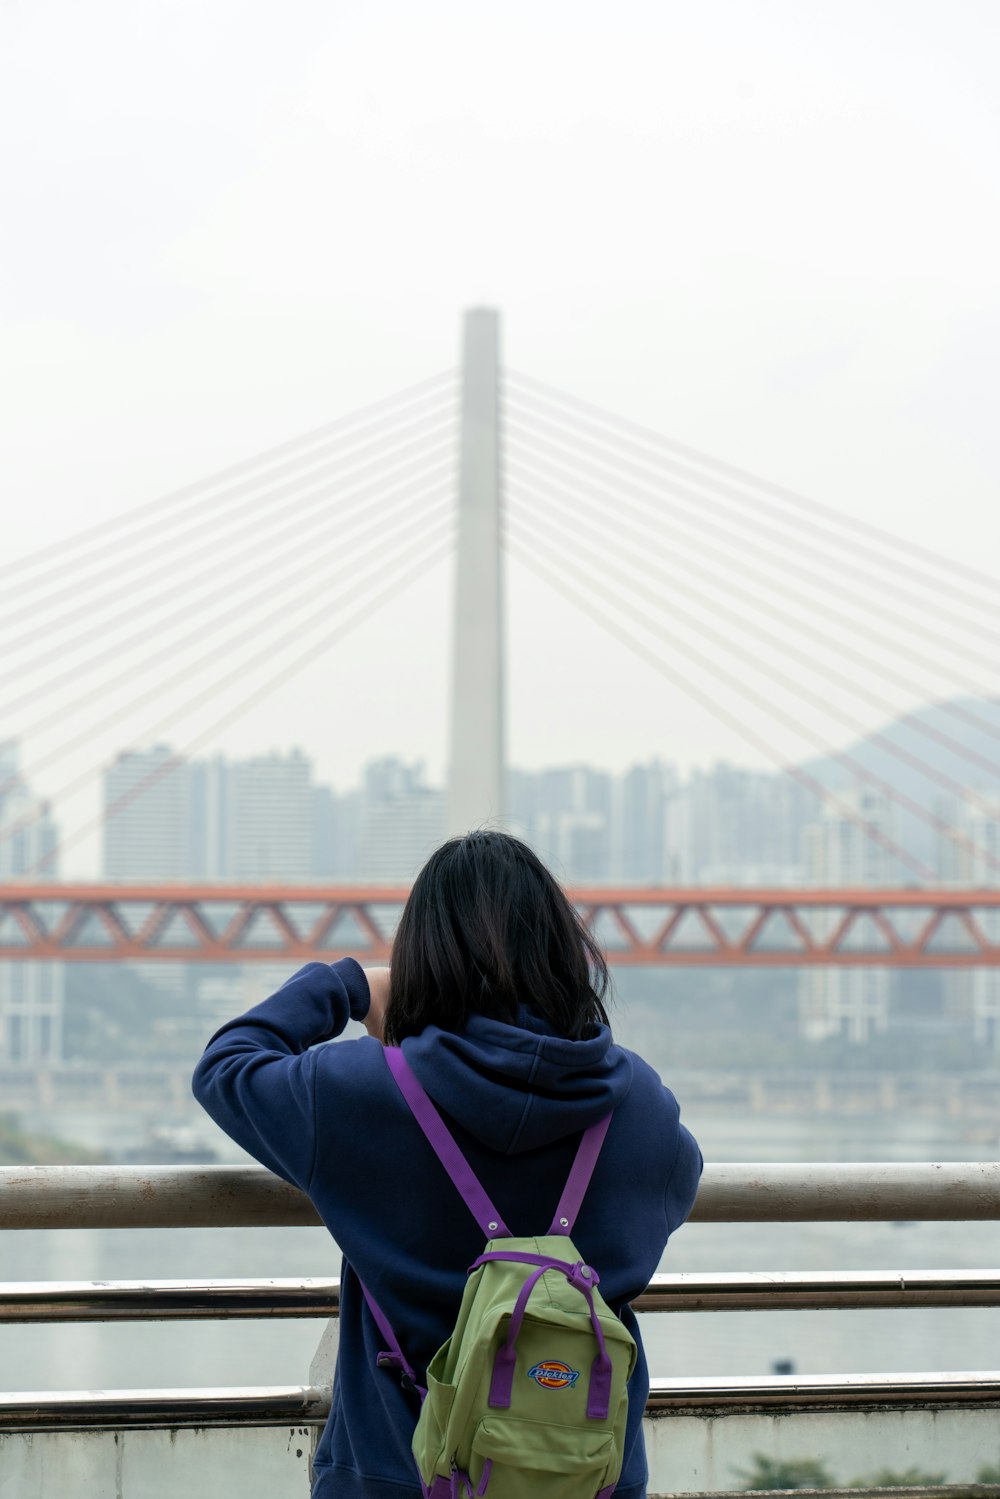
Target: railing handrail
[[309, 1405], [251, 1405], [319, 1296], [250, 1197]]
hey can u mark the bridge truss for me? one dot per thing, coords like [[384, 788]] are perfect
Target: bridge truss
[[684, 926]]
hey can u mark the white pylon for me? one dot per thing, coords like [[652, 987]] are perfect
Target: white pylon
[[476, 763]]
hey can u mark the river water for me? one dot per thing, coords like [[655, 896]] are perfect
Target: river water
[[102, 1356]]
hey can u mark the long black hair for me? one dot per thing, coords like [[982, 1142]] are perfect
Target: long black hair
[[486, 928]]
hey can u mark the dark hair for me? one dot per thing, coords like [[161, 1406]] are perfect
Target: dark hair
[[486, 928]]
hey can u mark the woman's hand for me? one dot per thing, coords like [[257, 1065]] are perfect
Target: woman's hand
[[378, 988]]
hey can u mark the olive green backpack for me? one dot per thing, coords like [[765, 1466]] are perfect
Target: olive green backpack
[[528, 1397]]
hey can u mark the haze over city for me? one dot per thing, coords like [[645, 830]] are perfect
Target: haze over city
[[764, 232], [568, 419]]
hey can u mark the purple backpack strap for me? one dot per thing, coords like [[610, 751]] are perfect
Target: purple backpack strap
[[579, 1177], [447, 1152], [462, 1174], [393, 1357]]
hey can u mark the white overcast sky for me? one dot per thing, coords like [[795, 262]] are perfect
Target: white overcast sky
[[767, 228]]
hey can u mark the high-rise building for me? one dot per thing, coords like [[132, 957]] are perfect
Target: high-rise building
[[336, 829], [572, 827], [402, 820], [727, 825], [641, 800], [969, 855], [270, 818], [148, 816], [31, 993], [850, 844], [324, 833], [171, 819], [149, 834], [209, 818]]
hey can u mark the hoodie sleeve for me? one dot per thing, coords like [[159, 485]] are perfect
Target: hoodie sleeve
[[682, 1183], [257, 1075]]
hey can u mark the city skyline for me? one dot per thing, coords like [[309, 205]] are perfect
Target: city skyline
[[819, 788], [842, 344], [267, 819]]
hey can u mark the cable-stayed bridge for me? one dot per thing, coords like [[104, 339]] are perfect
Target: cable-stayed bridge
[[769, 611]]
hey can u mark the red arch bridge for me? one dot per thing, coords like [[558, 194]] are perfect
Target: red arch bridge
[[690, 926]]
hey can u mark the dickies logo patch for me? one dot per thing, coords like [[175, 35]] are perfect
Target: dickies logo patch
[[553, 1374]]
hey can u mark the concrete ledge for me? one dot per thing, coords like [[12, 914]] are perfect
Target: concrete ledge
[[247, 1444]]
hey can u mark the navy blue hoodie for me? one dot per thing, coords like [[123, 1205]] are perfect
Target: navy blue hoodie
[[331, 1120]]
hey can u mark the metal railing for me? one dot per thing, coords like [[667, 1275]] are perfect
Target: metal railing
[[224, 1300], [169, 1197], [250, 1197]]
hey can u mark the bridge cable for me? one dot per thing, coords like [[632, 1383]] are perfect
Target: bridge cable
[[772, 711], [787, 496], [390, 443], [678, 576], [138, 581], [722, 577], [212, 649], [744, 563], [850, 761], [592, 611], [428, 558], [194, 492], [689, 502], [372, 558], [732, 504], [845, 758], [338, 514]]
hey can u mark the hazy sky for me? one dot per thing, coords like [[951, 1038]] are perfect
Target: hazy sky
[[767, 229]]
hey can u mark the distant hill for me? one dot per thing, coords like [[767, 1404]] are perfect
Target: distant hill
[[983, 774]]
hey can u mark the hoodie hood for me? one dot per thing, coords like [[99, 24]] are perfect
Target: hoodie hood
[[516, 1087]]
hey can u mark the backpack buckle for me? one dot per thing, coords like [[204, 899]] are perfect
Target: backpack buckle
[[583, 1277], [394, 1361]]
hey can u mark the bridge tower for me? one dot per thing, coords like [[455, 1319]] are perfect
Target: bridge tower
[[476, 760]]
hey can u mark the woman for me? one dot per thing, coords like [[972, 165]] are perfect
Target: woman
[[495, 997]]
